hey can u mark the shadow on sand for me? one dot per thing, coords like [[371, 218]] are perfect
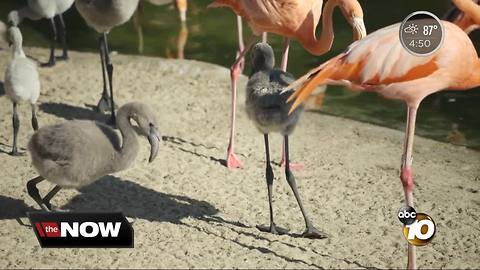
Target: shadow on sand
[[2, 89], [14, 209], [70, 112], [113, 194]]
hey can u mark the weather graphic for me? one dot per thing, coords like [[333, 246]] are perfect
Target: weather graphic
[[411, 29]]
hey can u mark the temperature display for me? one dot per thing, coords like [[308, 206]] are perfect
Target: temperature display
[[421, 33]]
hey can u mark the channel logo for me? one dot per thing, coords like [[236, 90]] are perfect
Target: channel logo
[[67, 230], [418, 228]]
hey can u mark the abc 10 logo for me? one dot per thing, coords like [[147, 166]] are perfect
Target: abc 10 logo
[[418, 228]]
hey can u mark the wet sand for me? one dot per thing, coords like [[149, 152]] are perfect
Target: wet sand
[[193, 212]]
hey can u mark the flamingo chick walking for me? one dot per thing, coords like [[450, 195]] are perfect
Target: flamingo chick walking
[[22, 82], [292, 19], [48, 9], [267, 108], [76, 153], [102, 16], [379, 63]]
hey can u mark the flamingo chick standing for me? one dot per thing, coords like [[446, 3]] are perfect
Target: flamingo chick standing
[[22, 82], [292, 19], [48, 9], [379, 63], [76, 153], [267, 108], [102, 16]]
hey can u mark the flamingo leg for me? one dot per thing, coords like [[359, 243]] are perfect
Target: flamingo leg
[[34, 118], [286, 48], [33, 191], [182, 41], [46, 200], [232, 160], [182, 6], [241, 44], [103, 104], [64, 38], [311, 231], [51, 61], [406, 175], [109, 64], [269, 177], [16, 127]]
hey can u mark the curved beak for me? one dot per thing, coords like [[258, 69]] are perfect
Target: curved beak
[[359, 29], [154, 140]]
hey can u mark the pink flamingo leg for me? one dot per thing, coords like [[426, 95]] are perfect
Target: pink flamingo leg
[[232, 160], [286, 48], [264, 37], [406, 175], [241, 45]]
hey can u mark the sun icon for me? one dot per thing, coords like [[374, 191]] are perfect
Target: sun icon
[[411, 29]]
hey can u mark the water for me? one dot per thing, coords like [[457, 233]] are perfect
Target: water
[[210, 36]]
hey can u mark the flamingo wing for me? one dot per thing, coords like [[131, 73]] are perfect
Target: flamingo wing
[[379, 60]]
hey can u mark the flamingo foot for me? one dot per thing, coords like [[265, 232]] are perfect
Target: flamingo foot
[[312, 233], [233, 162], [273, 229], [293, 166], [16, 153]]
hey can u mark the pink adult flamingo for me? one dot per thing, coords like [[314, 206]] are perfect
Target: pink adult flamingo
[[292, 19], [379, 63]]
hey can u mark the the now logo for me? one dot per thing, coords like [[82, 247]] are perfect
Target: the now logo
[[76, 229], [81, 229]]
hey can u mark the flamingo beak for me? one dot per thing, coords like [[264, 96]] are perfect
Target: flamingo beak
[[154, 140], [359, 29]]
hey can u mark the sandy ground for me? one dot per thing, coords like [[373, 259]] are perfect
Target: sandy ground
[[193, 212]]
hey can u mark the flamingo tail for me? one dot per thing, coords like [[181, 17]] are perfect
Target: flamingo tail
[[310, 81]]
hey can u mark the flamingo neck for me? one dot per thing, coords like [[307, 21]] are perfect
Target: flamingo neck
[[470, 8], [129, 148], [18, 52], [324, 43]]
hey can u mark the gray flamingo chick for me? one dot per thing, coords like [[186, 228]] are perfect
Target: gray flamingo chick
[[76, 153], [22, 82], [267, 107], [103, 16]]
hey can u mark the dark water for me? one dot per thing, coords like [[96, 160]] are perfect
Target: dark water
[[210, 36]]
